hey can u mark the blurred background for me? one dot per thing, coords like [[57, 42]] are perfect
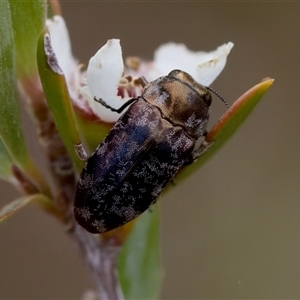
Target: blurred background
[[230, 231]]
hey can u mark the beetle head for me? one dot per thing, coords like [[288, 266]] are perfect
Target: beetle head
[[187, 79]]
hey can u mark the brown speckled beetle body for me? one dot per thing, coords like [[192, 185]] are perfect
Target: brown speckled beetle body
[[147, 146]]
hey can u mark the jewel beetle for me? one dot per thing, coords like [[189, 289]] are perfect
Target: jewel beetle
[[149, 143]]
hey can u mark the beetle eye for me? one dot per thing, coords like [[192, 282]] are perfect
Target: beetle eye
[[183, 76], [174, 73], [207, 98]]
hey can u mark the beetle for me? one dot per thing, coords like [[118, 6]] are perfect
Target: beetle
[[149, 143]]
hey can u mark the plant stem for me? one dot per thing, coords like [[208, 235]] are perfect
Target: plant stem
[[100, 255]]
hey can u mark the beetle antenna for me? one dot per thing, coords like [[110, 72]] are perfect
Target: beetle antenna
[[219, 95]]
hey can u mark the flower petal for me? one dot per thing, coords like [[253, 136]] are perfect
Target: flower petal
[[203, 66], [106, 68], [214, 63], [104, 72]]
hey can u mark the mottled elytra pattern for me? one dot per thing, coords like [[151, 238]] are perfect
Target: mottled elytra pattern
[[138, 158], [142, 153]]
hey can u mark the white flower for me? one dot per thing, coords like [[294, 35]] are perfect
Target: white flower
[[104, 73], [105, 69], [204, 67]]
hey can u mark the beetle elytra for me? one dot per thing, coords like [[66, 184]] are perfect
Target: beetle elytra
[[147, 146]]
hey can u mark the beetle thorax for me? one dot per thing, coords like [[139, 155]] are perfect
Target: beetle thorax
[[179, 103]]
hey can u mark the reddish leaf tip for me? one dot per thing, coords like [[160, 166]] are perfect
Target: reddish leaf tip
[[253, 95]]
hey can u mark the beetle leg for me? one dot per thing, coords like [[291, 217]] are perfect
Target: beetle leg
[[142, 81], [197, 152], [189, 160], [80, 152], [118, 110]]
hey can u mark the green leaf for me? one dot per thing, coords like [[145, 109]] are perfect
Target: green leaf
[[5, 162], [13, 207], [10, 128], [227, 126], [91, 128], [58, 98], [10, 125], [28, 19], [139, 260]]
